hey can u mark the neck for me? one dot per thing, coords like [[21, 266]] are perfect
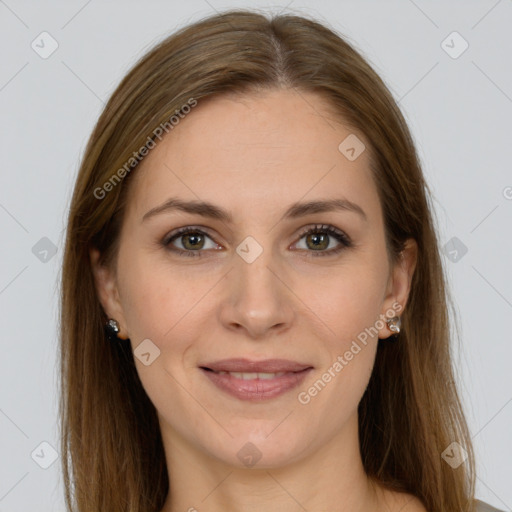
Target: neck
[[331, 478]]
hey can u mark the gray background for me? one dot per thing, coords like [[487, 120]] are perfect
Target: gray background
[[459, 110]]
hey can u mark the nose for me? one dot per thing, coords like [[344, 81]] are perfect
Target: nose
[[258, 301]]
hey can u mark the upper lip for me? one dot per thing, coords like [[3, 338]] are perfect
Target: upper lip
[[264, 366]]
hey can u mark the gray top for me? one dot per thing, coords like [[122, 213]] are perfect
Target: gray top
[[484, 507]]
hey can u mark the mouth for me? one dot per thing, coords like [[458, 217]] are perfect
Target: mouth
[[255, 380]]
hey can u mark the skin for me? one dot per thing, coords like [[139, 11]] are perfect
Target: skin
[[254, 155]]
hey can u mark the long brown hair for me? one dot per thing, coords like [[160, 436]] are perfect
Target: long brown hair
[[112, 452]]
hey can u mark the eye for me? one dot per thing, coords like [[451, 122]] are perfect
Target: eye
[[319, 238], [192, 240]]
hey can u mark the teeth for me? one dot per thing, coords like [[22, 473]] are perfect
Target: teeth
[[269, 375], [251, 376]]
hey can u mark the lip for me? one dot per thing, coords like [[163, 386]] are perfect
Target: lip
[[292, 374], [264, 366]]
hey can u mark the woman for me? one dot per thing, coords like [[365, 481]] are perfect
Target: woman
[[251, 229]]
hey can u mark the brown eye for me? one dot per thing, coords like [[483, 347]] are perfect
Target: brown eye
[[317, 241], [189, 241], [192, 241], [319, 238]]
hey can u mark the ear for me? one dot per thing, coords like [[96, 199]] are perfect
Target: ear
[[108, 294], [399, 285]]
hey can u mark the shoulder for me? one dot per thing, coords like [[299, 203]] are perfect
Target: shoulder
[[484, 507], [409, 503], [404, 502]]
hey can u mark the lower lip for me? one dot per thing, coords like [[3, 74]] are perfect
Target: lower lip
[[256, 389]]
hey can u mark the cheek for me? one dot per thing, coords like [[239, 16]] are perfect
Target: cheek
[[347, 301], [157, 300], [348, 307]]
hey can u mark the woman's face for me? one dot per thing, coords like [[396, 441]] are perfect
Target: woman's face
[[252, 286]]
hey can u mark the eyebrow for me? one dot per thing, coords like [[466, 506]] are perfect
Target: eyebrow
[[212, 211]]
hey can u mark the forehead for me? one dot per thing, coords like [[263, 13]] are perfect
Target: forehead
[[256, 152]]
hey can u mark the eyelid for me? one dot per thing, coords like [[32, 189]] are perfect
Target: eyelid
[[328, 228], [187, 229], [342, 238], [344, 241]]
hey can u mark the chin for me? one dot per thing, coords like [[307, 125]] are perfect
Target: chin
[[258, 450]]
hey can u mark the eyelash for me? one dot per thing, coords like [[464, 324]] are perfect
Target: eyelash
[[344, 240]]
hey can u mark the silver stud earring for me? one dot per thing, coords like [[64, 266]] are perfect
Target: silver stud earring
[[394, 324], [112, 329]]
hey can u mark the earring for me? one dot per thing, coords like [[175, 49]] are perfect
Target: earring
[[112, 329], [394, 324]]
